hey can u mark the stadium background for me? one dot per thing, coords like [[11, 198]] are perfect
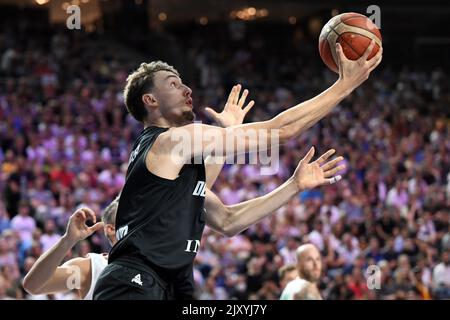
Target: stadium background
[[65, 136]]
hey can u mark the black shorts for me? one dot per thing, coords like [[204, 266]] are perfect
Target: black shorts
[[120, 282]]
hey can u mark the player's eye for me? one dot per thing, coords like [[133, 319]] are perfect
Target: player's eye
[[173, 84]]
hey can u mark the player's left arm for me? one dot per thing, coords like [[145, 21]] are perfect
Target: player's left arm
[[232, 114], [233, 219], [46, 275]]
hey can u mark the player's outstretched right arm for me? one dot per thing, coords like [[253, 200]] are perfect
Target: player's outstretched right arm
[[179, 145], [46, 276]]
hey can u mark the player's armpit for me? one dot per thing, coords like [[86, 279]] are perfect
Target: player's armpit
[[213, 166], [217, 214]]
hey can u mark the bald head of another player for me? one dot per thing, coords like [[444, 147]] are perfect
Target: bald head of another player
[[109, 221], [309, 262]]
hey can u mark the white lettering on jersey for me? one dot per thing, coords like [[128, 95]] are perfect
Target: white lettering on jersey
[[200, 189], [189, 246], [134, 154], [121, 232]]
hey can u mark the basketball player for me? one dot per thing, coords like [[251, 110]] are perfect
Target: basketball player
[[165, 203], [80, 274], [309, 267], [46, 277]]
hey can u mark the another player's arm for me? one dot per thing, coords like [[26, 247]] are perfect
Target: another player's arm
[[232, 114], [233, 219], [72, 275], [179, 145], [47, 276], [309, 292]]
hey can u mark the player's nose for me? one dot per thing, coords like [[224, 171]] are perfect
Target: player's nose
[[187, 91]]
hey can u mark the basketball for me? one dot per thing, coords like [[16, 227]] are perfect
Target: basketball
[[354, 32]]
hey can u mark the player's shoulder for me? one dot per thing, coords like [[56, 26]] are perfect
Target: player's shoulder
[[93, 255], [176, 131], [83, 263], [79, 260], [308, 292], [159, 136], [98, 257], [297, 284], [149, 135], [172, 139], [187, 129], [290, 289], [187, 134]]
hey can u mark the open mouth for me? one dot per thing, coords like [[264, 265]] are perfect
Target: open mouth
[[189, 102]]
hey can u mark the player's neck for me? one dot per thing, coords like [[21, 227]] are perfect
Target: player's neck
[[160, 122], [164, 123]]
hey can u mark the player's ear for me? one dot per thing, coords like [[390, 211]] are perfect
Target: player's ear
[[149, 100], [110, 229]]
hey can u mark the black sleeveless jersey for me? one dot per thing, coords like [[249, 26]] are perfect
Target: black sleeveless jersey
[[159, 222]]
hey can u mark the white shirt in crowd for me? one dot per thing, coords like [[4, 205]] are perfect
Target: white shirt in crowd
[[24, 227], [441, 275]]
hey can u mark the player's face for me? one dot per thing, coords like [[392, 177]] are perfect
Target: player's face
[[173, 98], [310, 265]]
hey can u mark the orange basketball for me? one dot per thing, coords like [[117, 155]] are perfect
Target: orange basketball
[[354, 32]]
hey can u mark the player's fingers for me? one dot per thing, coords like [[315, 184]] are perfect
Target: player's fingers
[[309, 155], [242, 99], [377, 56], [332, 163], [249, 106], [376, 64], [340, 53], [210, 112], [332, 180], [231, 95], [368, 51], [236, 96], [375, 61], [95, 227], [80, 214], [325, 156], [333, 171], [90, 214], [341, 58]]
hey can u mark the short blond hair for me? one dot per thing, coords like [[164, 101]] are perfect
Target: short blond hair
[[139, 82], [285, 269], [109, 214]]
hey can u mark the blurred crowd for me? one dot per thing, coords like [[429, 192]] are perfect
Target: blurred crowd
[[65, 139]]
